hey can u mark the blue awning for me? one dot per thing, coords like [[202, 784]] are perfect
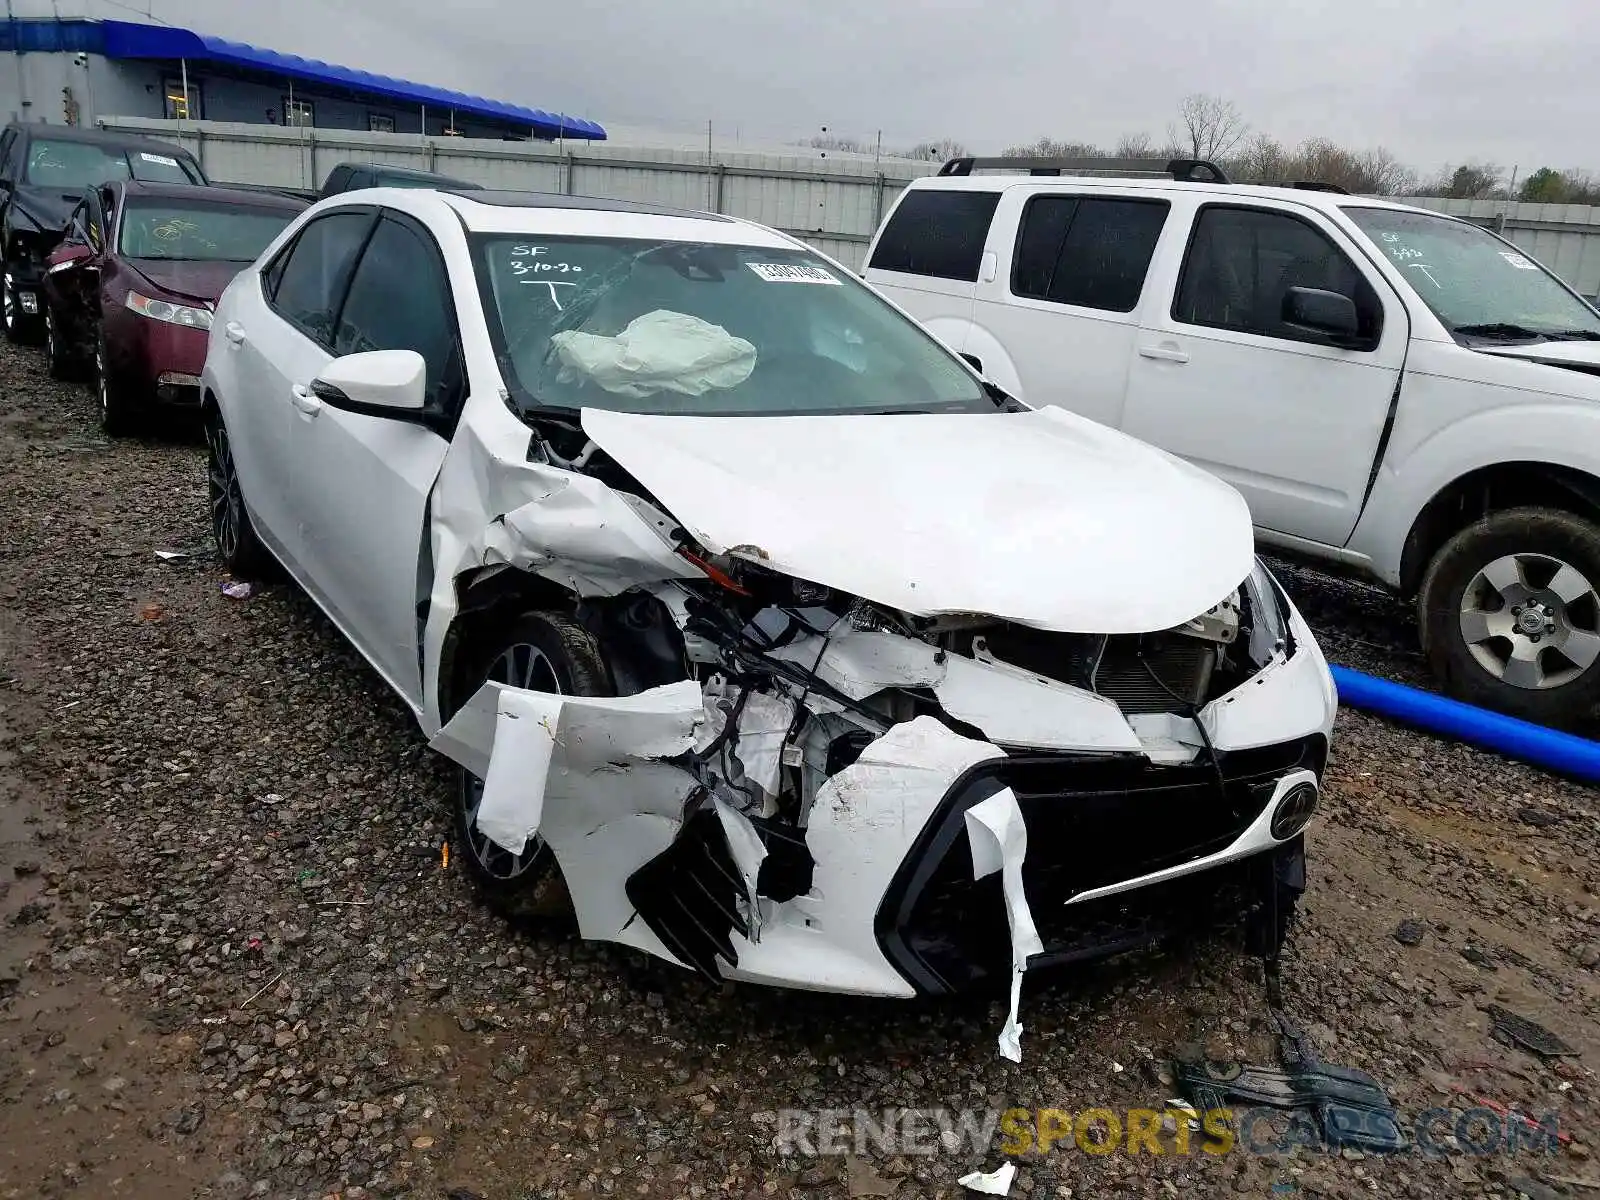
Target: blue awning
[[130, 40]]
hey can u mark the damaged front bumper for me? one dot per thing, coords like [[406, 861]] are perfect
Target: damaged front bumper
[[1087, 832]]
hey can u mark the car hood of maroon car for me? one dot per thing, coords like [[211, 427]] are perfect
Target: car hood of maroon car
[[189, 279]]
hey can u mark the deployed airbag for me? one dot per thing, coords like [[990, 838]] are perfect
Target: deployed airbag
[[662, 351]]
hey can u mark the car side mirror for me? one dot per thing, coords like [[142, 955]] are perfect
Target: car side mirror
[[1318, 311], [380, 383]]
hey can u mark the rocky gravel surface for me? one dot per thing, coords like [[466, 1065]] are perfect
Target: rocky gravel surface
[[234, 961]]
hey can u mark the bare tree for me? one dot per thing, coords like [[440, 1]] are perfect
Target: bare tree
[[1046, 147], [1208, 127], [1382, 174], [845, 145], [1135, 145], [1262, 159], [941, 150]]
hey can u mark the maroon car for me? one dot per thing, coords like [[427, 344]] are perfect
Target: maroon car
[[129, 292]]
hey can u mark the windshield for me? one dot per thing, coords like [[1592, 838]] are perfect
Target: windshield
[[1475, 283], [73, 166], [187, 230], [689, 327]]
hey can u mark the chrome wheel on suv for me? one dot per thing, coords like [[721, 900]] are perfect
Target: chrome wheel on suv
[[1510, 615]]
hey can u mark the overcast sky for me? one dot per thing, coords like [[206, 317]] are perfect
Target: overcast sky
[[1435, 81]]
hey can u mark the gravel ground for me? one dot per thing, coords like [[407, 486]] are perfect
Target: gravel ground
[[233, 962]]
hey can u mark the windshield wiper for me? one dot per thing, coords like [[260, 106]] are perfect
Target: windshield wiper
[[1573, 335], [1003, 400], [1500, 329]]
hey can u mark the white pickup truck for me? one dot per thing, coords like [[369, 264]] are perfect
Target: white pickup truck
[[1394, 392]]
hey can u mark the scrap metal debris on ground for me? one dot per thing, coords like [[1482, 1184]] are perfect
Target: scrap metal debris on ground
[[1515, 1030]]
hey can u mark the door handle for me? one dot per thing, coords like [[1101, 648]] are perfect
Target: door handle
[[305, 401], [1164, 353], [234, 332]]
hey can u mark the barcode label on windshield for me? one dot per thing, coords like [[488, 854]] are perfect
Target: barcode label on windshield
[[161, 160], [793, 273], [1516, 260]]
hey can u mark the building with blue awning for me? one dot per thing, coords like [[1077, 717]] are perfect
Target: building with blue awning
[[79, 71]]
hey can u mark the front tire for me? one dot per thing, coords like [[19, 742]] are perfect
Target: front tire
[[241, 552], [64, 364], [21, 329], [119, 415], [544, 652], [1510, 615]]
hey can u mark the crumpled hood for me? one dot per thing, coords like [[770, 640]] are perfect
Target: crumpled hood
[[47, 209], [1043, 518]]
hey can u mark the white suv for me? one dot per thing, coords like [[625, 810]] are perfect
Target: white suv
[[1393, 391]]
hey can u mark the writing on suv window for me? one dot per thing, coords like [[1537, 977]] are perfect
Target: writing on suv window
[[1477, 284]]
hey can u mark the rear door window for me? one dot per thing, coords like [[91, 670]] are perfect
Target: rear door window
[[1087, 251], [936, 232], [311, 282]]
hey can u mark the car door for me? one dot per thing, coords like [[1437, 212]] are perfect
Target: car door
[[1058, 323], [275, 338], [96, 227], [1218, 376], [362, 481]]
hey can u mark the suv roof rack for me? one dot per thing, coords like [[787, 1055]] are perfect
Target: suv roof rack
[[1309, 185], [1185, 170]]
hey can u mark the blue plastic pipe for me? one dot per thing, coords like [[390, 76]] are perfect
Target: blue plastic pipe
[[1564, 753]]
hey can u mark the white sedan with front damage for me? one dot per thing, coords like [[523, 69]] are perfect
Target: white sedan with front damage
[[807, 657]]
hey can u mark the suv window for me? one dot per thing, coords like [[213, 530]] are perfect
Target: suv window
[[311, 282], [1092, 252], [936, 232], [399, 299], [1242, 262]]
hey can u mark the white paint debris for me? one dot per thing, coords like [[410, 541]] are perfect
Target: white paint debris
[[991, 1183]]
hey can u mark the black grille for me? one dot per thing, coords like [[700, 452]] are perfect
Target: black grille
[[1092, 821]]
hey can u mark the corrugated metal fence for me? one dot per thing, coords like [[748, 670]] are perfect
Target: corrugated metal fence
[[834, 204]]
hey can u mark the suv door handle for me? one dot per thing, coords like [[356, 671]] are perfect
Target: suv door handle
[[234, 332], [1164, 353], [305, 401]]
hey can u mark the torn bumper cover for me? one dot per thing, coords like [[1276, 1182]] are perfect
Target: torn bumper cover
[[1034, 823]]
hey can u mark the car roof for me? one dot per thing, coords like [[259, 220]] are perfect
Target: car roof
[[98, 137], [384, 169], [552, 214], [1308, 197], [221, 195], [508, 199]]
